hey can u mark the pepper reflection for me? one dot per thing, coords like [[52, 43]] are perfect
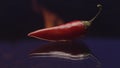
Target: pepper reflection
[[69, 50]]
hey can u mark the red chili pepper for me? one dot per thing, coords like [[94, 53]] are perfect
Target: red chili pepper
[[67, 31]]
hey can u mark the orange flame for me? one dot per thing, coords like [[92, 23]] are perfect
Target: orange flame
[[50, 19]]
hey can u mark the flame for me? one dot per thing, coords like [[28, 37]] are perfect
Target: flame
[[50, 19]]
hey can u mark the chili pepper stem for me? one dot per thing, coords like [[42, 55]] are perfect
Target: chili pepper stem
[[99, 11]]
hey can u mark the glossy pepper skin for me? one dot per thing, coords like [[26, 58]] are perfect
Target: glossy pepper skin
[[63, 32]]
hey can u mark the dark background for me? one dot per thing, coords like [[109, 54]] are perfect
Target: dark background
[[17, 18]]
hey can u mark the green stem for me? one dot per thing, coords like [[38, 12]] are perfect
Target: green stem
[[100, 9]]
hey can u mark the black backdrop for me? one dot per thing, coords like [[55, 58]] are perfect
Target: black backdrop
[[17, 17]]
